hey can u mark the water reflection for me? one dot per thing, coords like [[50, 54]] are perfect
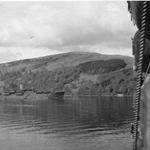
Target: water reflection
[[82, 117]]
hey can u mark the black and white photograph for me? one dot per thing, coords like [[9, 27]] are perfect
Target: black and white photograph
[[74, 75]]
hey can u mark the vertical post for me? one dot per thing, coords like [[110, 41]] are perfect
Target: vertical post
[[137, 143]]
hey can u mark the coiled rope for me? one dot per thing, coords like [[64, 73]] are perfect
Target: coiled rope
[[139, 75]]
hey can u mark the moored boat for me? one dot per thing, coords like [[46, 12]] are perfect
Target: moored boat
[[6, 93], [19, 93], [57, 95], [12, 91], [120, 95]]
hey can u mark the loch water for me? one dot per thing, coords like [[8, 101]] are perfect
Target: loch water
[[72, 123]]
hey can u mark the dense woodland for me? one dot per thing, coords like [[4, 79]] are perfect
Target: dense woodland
[[104, 76]]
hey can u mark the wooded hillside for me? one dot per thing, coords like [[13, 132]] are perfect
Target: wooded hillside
[[81, 73]]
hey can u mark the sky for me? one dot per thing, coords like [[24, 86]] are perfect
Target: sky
[[34, 29]]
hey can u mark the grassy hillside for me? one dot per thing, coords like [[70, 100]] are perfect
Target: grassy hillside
[[60, 60], [84, 73]]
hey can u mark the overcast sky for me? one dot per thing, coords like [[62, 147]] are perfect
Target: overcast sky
[[33, 29]]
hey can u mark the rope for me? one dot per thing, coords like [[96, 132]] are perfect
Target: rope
[[139, 75]]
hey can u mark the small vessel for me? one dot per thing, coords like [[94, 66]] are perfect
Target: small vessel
[[19, 93], [59, 95], [46, 92], [120, 95], [38, 92], [12, 91], [42, 92], [6, 93]]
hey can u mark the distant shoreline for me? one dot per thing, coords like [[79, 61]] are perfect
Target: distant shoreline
[[30, 95]]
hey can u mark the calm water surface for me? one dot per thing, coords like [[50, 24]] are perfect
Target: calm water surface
[[81, 123]]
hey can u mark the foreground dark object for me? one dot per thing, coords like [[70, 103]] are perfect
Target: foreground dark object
[[140, 12]]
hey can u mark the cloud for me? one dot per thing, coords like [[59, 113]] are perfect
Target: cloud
[[54, 24], [33, 29]]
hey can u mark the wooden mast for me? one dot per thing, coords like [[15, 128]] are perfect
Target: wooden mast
[[140, 12]]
